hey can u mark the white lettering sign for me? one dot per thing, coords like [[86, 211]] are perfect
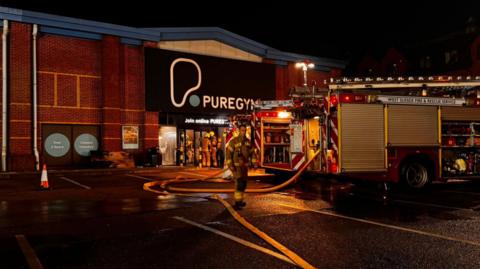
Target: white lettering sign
[[416, 100], [231, 103], [211, 121]]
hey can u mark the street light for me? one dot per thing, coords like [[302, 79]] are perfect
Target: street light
[[305, 66]]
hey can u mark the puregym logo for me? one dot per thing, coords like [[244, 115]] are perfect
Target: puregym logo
[[207, 101]]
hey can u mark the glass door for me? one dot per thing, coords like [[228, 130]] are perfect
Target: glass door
[[167, 141]]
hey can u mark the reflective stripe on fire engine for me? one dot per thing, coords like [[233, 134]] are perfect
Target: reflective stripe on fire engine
[[334, 127], [257, 139], [333, 144], [299, 163]]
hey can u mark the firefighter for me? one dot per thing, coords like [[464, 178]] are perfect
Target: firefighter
[[220, 155], [239, 151], [213, 149], [206, 151]]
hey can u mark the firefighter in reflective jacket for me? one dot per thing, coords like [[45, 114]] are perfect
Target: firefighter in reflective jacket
[[239, 150]]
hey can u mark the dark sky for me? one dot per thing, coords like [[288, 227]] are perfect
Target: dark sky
[[335, 28]]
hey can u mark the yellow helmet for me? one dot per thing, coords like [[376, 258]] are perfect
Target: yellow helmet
[[460, 165]]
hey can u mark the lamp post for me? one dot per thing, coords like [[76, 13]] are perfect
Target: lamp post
[[305, 66]]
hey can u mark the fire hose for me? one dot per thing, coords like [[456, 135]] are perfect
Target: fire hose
[[167, 189]]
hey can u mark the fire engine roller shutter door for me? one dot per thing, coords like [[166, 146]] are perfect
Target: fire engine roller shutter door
[[461, 113], [412, 125], [362, 137]]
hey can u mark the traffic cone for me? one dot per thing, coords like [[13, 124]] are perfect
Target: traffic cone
[[44, 179]]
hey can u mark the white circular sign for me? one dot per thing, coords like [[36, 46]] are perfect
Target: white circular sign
[[85, 143], [57, 145]]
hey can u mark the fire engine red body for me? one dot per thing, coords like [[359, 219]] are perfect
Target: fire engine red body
[[409, 130], [430, 129]]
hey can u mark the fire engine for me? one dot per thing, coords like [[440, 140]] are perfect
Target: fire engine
[[410, 130]]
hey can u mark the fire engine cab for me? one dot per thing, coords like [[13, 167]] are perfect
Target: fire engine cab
[[410, 130]]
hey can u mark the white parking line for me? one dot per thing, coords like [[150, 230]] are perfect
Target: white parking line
[[477, 244], [140, 177], [28, 252], [429, 205], [75, 182], [399, 201], [236, 239], [463, 192]]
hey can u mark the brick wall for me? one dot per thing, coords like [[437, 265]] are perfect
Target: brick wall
[[69, 81], [79, 82], [20, 155], [112, 63]]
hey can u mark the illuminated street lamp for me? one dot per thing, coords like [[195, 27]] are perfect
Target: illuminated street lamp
[[305, 66]]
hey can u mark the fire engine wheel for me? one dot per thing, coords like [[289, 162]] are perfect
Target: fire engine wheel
[[416, 175]]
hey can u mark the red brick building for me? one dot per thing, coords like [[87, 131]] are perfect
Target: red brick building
[[89, 80]]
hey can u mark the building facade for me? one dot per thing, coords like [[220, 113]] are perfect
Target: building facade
[[73, 86]]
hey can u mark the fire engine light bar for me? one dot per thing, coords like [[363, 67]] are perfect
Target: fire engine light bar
[[401, 78]]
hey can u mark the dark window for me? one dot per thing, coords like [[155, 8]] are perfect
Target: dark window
[[454, 56], [447, 57], [428, 62]]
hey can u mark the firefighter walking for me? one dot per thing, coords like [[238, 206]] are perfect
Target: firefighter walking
[[239, 151]]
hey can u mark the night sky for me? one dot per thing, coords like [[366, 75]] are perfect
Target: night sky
[[337, 29]]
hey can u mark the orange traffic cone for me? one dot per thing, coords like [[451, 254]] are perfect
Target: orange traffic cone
[[44, 179]]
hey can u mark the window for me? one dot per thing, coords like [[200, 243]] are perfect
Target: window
[[451, 57], [454, 56], [447, 57], [428, 62]]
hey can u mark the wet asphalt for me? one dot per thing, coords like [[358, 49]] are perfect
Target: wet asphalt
[[331, 223]]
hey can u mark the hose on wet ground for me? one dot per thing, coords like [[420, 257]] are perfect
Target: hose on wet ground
[[165, 185], [213, 178]]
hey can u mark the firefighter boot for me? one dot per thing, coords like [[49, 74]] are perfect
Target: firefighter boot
[[239, 203]]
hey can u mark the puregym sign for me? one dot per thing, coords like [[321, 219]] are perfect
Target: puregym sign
[[207, 101], [181, 82]]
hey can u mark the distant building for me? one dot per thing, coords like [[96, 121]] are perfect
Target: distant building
[[456, 53]]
